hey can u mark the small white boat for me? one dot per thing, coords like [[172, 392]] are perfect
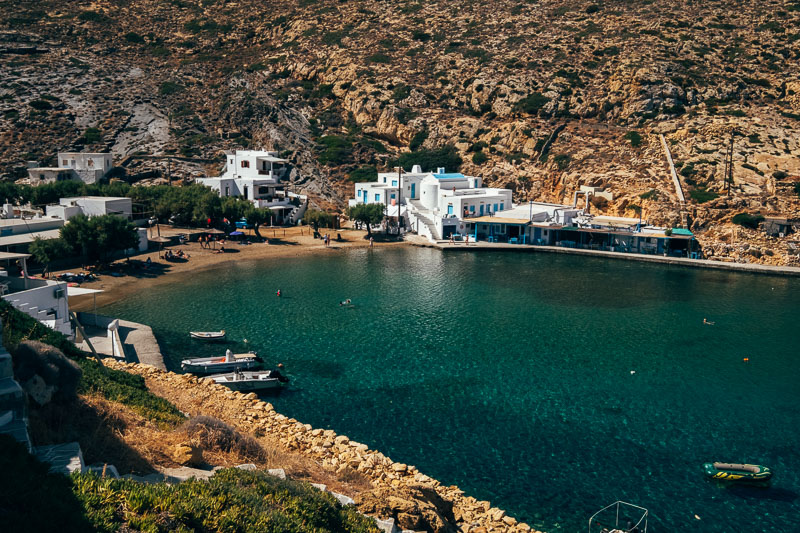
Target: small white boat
[[251, 381], [208, 335], [230, 362]]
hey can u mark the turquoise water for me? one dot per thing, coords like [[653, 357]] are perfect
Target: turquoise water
[[550, 385]]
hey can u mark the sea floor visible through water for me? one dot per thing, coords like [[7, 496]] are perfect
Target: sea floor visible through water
[[550, 385]]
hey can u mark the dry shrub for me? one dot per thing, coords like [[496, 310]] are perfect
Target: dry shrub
[[215, 435]]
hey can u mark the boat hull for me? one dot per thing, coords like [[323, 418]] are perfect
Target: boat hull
[[248, 381], [217, 366], [737, 473], [208, 336]]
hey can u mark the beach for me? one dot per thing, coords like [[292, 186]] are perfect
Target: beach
[[282, 242]]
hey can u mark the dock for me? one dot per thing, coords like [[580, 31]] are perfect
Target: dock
[[752, 268], [136, 341]]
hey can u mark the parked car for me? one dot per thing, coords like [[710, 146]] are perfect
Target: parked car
[[242, 224]]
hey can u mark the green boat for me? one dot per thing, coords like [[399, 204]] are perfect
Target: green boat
[[737, 472]]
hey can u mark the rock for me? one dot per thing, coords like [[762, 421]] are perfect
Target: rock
[[413, 507], [46, 372], [399, 467], [186, 454]]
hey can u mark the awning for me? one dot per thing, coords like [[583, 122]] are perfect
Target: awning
[[681, 231], [26, 238], [498, 220], [77, 291], [8, 255]]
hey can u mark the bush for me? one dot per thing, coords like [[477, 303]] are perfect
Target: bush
[[562, 161], [379, 58], [169, 87], [479, 157], [40, 105], [365, 173], [634, 138], [430, 160], [747, 220], [702, 196], [91, 16], [335, 150], [214, 434], [797, 188], [35, 358], [532, 103], [133, 37], [417, 140], [232, 500]]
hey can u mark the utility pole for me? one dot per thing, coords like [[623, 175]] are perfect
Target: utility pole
[[729, 165], [399, 195]]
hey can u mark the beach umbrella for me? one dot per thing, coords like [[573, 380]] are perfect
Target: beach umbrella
[[214, 231], [160, 240]]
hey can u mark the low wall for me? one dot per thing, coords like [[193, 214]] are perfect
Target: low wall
[[334, 452]]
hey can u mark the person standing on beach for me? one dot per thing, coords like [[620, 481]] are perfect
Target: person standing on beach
[[466, 240], [371, 242]]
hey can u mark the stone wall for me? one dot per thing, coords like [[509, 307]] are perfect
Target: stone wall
[[334, 452]]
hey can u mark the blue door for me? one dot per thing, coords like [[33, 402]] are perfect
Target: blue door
[[413, 190], [481, 209], [449, 208]]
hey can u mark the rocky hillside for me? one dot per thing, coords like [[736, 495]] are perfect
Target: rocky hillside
[[539, 96]]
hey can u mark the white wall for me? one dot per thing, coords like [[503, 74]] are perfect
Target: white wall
[[40, 299]]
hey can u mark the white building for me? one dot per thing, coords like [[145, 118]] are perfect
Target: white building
[[86, 167], [17, 233], [437, 203], [257, 176], [91, 206], [44, 300]]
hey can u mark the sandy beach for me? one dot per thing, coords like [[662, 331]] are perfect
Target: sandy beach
[[282, 242]]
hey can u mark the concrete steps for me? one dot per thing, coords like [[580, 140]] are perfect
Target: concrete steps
[[13, 409]]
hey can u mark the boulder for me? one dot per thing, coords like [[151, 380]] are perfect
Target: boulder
[[413, 507], [45, 373]]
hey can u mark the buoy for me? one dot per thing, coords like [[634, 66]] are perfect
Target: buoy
[[280, 365], [279, 292], [746, 359], [633, 371]]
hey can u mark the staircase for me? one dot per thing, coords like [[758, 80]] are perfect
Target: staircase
[[13, 412], [420, 220]]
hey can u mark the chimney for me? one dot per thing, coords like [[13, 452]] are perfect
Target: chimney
[[440, 170], [416, 169]]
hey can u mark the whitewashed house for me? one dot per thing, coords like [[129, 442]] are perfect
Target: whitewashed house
[[91, 206], [76, 166], [258, 176], [434, 203]]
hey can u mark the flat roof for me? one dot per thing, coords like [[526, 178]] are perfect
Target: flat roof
[[24, 238], [26, 221], [112, 198], [49, 168], [10, 255], [449, 176]]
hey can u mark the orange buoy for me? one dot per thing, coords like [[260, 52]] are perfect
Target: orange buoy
[[746, 359]]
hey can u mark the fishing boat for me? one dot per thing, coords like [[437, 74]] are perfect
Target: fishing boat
[[208, 335], [244, 381], [734, 472], [230, 362]]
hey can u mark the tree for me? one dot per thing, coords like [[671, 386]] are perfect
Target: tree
[[99, 237], [45, 251], [257, 216], [368, 214], [317, 218]]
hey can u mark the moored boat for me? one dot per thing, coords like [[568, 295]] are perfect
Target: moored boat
[[244, 381], [228, 363], [208, 335], [735, 472]]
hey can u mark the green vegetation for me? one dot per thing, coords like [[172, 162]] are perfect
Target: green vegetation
[[701, 195], [797, 188], [114, 385], [479, 157], [232, 500], [379, 58], [92, 16], [747, 220], [652, 194], [92, 135], [634, 137], [429, 160], [45, 251], [365, 173], [532, 103], [40, 105], [562, 161], [368, 214], [133, 37], [417, 140], [98, 238], [169, 87], [335, 150], [318, 219]]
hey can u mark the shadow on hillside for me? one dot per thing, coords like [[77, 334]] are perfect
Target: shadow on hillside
[[95, 428]]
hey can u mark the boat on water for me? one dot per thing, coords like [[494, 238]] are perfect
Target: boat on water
[[244, 381], [208, 335], [619, 517], [740, 473], [230, 362]]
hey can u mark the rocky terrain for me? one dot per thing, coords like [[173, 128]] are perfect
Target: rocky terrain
[[538, 96]]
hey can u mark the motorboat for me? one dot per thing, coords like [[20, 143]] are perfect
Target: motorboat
[[737, 473], [208, 335], [244, 381], [230, 362]]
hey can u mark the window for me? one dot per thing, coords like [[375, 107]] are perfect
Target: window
[[377, 197], [393, 196], [449, 209], [227, 190], [64, 162], [495, 208], [394, 183], [231, 161], [245, 164], [472, 209]]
